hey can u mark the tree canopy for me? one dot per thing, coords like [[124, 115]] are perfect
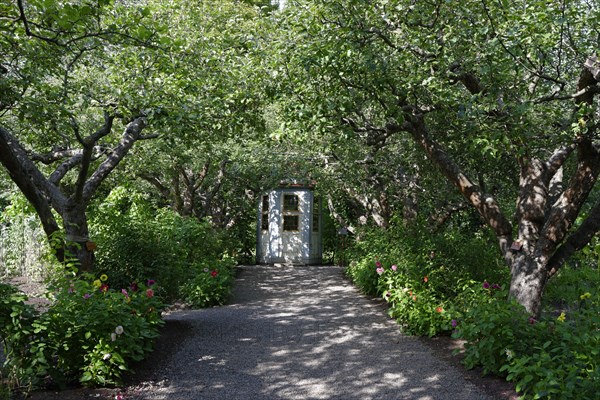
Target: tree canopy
[[396, 107]]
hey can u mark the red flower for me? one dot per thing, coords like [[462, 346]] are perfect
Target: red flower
[[214, 273], [149, 293], [104, 288], [439, 309]]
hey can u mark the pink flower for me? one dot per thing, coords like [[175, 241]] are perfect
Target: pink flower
[[496, 286], [149, 293], [151, 282], [532, 320], [124, 291], [394, 267], [134, 287], [425, 279], [454, 323], [87, 296], [380, 270], [486, 285], [378, 264]]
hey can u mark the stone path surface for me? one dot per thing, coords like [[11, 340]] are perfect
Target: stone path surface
[[302, 333]]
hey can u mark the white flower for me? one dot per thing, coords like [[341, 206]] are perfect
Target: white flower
[[106, 356], [113, 336], [205, 269], [119, 330], [509, 353]]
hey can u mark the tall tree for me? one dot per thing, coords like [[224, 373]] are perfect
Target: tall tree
[[475, 86], [83, 81], [59, 108]]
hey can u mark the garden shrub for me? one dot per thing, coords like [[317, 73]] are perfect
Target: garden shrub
[[211, 284], [135, 240], [428, 280], [554, 357], [564, 289], [90, 333], [23, 248], [363, 274], [15, 328], [456, 282]]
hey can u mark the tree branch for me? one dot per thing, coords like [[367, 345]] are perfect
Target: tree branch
[[28, 31], [485, 204], [566, 208], [54, 156], [576, 241], [153, 180], [130, 135], [586, 91], [30, 181], [63, 168], [556, 161], [469, 80]]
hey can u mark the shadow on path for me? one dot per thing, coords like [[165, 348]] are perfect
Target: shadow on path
[[301, 333]]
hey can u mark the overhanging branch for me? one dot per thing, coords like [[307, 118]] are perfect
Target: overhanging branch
[[130, 136], [576, 241]]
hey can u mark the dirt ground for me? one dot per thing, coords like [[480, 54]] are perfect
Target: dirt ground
[[148, 372]]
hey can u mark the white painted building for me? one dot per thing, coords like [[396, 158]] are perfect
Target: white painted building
[[289, 227]]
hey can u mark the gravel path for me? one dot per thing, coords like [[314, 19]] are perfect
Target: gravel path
[[301, 333]]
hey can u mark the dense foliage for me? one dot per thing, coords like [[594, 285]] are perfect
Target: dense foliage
[[449, 284], [136, 241], [554, 356], [499, 96], [211, 285], [91, 332], [450, 140], [427, 279]]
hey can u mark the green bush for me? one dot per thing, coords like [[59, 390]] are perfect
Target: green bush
[[363, 274], [455, 282], [15, 329], [90, 333], [428, 280], [554, 357], [564, 289], [413, 304], [211, 284], [135, 240]]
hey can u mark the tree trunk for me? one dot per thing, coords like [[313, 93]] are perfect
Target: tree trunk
[[528, 281], [77, 237], [541, 228]]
